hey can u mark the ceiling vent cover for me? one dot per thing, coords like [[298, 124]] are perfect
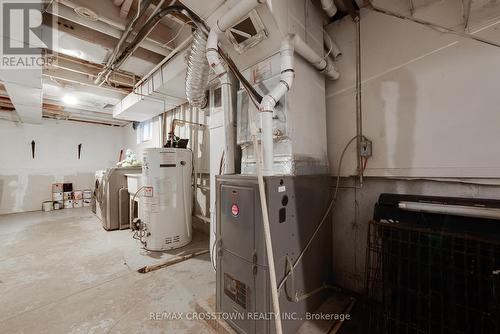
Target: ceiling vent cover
[[247, 33]]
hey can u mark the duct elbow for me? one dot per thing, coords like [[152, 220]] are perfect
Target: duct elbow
[[331, 72], [212, 51], [268, 103], [215, 62]]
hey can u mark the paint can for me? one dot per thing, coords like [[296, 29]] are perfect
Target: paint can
[[57, 187], [77, 195], [58, 205], [47, 206], [78, 203], [87, 194], [59, 196], [68, 204], [68, 195]]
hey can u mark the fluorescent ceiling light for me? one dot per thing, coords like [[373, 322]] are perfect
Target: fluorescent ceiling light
[[70, 99]]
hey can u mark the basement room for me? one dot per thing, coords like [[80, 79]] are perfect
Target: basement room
[[249, 166]]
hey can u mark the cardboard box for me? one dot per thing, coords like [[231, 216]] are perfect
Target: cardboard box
[[57, 187], [59, 196]]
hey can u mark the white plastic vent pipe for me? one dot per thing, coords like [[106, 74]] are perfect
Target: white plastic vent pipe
[[322, 64], [291, 43], [329, 7], [270, 100]]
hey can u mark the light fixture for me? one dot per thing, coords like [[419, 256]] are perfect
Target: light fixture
[[70, 99], [72, 52]]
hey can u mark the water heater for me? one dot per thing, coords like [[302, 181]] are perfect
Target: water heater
[[166, 200]]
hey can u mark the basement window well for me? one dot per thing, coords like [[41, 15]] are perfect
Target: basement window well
[[144, 132], [247, 33]]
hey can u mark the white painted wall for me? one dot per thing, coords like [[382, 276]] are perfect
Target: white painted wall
[[431, 107], [430, 100], [26, 182]]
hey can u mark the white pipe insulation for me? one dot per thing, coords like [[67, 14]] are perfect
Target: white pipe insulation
[[329, 7]]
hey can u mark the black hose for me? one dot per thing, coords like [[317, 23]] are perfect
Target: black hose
[[254, 95], [149, 26]]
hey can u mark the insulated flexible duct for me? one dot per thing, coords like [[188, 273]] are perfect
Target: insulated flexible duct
[[197, 71]]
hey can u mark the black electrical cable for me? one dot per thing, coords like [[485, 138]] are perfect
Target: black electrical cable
[[150, 24], [232, 66]]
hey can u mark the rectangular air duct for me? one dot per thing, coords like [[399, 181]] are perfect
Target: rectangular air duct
[[161, 91]]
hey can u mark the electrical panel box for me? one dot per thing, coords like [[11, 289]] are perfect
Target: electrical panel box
[[296, 207]]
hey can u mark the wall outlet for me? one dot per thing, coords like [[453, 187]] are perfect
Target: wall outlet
[[365, 149]]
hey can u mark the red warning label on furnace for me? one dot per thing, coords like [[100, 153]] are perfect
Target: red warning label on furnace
[[235, 210], [148, 191]]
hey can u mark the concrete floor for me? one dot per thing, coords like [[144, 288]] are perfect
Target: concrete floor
[[61, 272]]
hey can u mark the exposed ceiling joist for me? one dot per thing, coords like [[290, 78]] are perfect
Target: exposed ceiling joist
[[119, 78], [106, 41], [71, 77], [69, 14]]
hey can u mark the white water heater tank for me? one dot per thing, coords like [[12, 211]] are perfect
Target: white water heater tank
[[166, 200]]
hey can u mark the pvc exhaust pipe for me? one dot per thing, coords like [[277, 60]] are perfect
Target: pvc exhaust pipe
[[329, 7]]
